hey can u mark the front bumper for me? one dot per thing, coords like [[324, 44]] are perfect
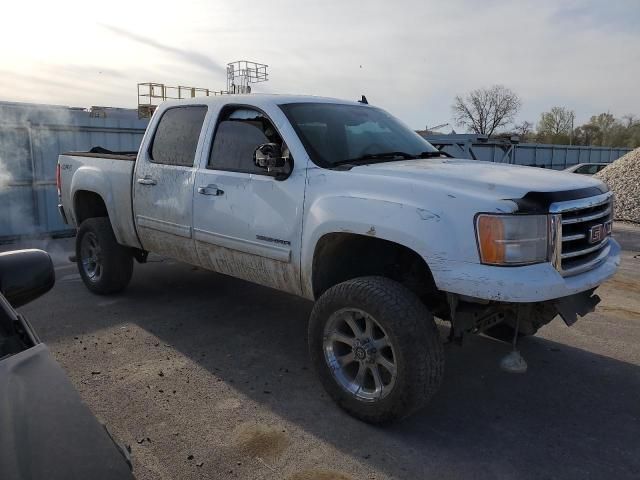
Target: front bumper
[[532, 283]]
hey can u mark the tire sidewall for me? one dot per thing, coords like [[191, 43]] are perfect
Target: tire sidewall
[[408, 345], [85, 227], [117, 262]]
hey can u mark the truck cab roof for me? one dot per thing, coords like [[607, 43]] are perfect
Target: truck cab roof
[[256, 99]]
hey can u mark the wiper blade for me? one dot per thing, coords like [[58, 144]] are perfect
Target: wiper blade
[[435, 154], [371, 157], [386, 156]]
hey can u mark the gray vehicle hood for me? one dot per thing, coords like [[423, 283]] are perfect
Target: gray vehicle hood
[[486, 178]]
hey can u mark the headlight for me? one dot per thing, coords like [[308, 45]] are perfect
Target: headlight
[[512, 239]]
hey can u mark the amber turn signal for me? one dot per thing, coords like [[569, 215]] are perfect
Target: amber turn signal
[[490, 236], [512, 239]]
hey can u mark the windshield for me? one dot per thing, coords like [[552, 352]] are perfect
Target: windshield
[[335, 134]]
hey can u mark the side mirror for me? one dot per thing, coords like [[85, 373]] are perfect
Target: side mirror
[[269, 156], [25, 275]]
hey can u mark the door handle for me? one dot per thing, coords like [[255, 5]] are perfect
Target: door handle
[[210, 190], [146, 181]]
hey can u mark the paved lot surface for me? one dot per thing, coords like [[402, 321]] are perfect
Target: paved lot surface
[[206, 376]]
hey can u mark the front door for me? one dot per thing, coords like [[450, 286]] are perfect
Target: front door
[[163, 183], [246, 223]]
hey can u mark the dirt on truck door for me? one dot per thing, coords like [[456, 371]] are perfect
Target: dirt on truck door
[[163, 183], [246, 222]]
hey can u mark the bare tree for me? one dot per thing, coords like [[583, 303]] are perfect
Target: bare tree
[[523, 130], [486, 109]]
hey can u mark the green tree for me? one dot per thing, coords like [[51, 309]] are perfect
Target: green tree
[[603, 129], [607, 131], [634, 133], [586, 134], [555, 126], [605, 123]]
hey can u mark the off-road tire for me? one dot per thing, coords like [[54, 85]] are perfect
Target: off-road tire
[[412, 331], [116, 260]]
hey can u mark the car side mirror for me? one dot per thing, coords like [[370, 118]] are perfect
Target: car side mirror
[[269, 156], [25, 275]]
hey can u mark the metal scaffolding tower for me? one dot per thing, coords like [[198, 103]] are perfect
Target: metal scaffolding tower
[[240, 75]]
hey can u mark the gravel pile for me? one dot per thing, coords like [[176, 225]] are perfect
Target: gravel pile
[[623, 178]]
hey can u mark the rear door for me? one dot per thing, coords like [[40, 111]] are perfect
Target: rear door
[[163, 183], [246, 223]]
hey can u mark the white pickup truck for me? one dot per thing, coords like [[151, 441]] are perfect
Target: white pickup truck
[[342, 204]]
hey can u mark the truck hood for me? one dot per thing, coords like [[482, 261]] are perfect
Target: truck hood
[[500, 181]]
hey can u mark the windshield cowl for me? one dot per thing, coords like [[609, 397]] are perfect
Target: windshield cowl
[[388, 157]]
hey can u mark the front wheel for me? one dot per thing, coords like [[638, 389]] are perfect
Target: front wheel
[[376, 349], [104, 265]]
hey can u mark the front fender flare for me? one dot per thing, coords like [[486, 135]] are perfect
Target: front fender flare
[[410, 226]]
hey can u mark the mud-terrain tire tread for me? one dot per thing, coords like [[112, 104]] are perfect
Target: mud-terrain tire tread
[[117, 262], [414, 334]]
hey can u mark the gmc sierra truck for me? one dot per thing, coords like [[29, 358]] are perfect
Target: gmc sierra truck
[[342, 204]]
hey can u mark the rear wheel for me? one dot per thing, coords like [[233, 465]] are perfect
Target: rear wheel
[[104, 265], [376, 348]]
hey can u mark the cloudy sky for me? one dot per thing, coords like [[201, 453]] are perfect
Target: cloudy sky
[[410, 57]]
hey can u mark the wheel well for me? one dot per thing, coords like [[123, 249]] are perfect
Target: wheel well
[[342, 256], [87, 205]]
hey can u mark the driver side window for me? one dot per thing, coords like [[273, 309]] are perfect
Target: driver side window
[[239, 132]]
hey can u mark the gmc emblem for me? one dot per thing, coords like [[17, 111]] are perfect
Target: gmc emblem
[[597, 233]]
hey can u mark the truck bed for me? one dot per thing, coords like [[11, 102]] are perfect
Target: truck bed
[[100, 152], [131, 157], [107, 174]]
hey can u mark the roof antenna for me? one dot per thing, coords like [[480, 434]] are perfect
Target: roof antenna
[[363, 100]]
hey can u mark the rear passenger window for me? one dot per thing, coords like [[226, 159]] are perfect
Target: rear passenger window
[[240, 131], [177, 135]]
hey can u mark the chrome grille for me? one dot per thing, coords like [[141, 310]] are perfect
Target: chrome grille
[[582, 233]]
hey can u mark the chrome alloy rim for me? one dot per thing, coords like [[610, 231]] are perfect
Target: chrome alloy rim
[[359, 354], [91, 256]]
